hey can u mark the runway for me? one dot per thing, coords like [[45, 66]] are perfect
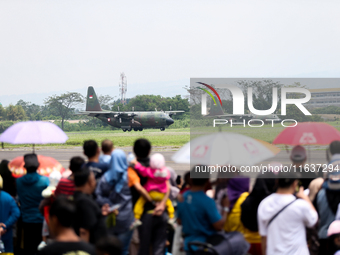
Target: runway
[[317, 156]]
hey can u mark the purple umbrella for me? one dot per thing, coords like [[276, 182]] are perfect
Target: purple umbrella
[[33, 132]]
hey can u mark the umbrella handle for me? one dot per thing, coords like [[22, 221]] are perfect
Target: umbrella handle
[[287, 149]]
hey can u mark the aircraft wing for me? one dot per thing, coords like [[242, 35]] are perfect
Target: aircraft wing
[[170, 113], [108, 114], [234, 116], [173, 111]]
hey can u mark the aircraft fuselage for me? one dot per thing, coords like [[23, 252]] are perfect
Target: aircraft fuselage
[[140, 121]]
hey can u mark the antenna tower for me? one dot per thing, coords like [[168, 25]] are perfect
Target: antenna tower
[[122, 88]]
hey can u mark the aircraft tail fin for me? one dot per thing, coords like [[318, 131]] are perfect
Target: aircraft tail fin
[[92, 103]]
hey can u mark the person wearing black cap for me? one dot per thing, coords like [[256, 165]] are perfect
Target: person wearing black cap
[[298, 157], [29, 189]]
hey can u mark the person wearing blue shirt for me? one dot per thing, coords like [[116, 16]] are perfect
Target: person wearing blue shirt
[[198, 214], [9, 214], [29, 189]]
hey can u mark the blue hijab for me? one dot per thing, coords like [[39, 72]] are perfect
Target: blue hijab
[[117, 173]]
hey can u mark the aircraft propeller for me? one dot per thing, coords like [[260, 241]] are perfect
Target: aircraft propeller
[[120, 119], [133, 118]]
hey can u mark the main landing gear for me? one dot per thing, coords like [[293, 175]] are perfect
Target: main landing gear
[[138, 129], [162, 128]]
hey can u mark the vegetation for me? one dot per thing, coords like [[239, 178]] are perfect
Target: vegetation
[[326, 110], [174, 138], [63, 107]]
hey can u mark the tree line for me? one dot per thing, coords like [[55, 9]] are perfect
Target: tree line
[[66, 106]]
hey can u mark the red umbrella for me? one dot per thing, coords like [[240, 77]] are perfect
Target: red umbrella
[[47, 166], [308, 133]]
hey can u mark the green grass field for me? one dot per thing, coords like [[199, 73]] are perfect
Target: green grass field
[[174, 138], [170, 137]]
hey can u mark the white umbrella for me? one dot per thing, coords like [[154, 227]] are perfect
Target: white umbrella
[[225, 148]]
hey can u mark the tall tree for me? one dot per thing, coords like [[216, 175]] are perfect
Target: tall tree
[[105, 101], [63, 105], [2, 112], [15, 112], [32, 110], [262, 92]]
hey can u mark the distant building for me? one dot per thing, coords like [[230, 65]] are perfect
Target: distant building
[[324, 97]]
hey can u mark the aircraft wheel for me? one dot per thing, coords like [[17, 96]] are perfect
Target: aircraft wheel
[[135, 129], [162, 128], [124, 130], [129, 129], [141, 129]]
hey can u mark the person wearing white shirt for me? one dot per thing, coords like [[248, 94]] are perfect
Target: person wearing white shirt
[[283, 218]]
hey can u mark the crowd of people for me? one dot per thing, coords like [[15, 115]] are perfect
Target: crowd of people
[[112, 204]]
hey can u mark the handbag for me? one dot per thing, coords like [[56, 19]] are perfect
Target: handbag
[[222, 244]]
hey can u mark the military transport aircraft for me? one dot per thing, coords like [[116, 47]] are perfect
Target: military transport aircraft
[[240, 117], [127, 120]]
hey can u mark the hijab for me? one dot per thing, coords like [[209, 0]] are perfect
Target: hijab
[[117, 173], [236, 187]]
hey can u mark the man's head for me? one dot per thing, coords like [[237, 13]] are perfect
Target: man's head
[[107, 147], [334, 147], [31, 162], [142, 148], [91, 149], [84, 180], [76, 164], [199, 179], [62, 215], [298, 155], [109, 245], [288, 181]]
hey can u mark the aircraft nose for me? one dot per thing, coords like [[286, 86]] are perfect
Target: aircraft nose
[[169, 121]]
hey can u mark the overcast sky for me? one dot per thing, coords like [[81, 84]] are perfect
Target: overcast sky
[[65, 45]]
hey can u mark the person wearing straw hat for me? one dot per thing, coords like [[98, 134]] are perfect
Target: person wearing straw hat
[[9, 214]]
